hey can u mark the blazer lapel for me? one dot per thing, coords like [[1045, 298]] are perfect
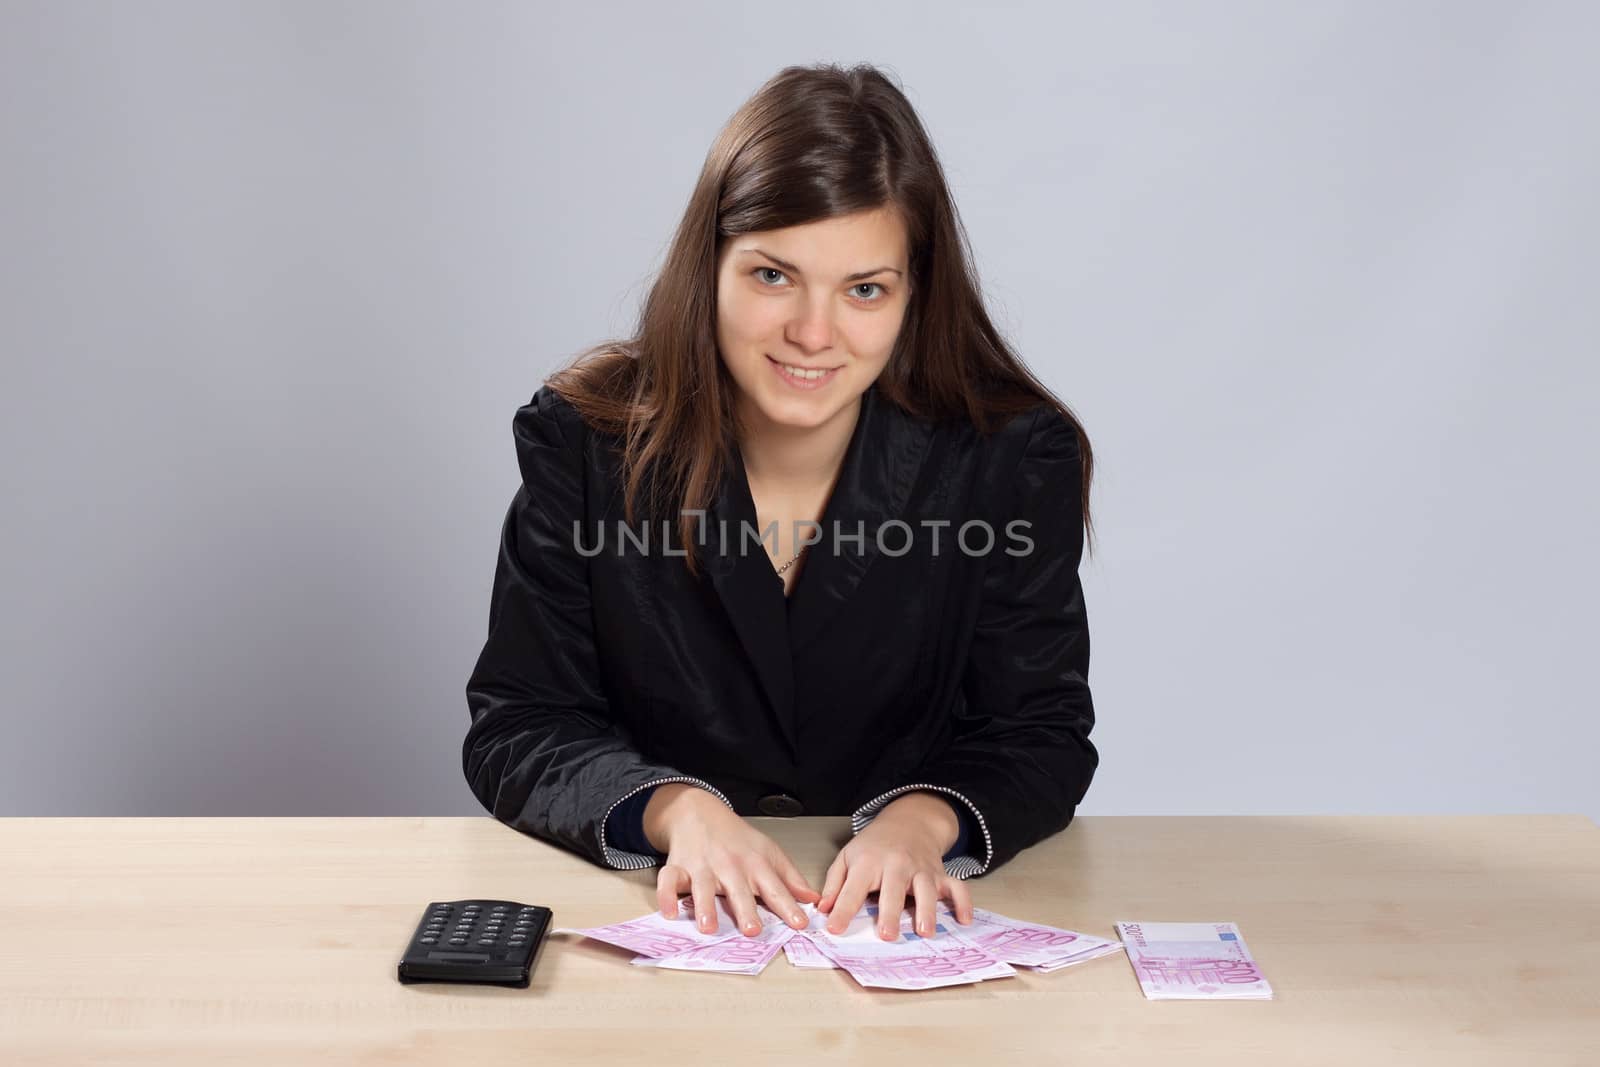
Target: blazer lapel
[[880, 469], [752, 592], [885, 455]]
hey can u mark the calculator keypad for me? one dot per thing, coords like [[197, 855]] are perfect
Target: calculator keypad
[[486, 941], [473, 925]]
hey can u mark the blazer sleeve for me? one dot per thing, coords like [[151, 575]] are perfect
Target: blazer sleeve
[[543, 753], [1021, 759]]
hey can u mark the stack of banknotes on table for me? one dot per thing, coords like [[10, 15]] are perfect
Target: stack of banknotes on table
[[991, 947], [1192, 961]]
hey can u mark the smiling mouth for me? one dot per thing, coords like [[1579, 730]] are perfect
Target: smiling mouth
[[803, 373]]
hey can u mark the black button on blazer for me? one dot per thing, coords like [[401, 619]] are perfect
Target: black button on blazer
[[911, 654]]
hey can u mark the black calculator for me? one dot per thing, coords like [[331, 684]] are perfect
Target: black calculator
[[491, 942]]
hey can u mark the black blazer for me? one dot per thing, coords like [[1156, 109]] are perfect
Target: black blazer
[[904, 660]]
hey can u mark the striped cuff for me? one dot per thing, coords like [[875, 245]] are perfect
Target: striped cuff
[[961, 866], [625, 824], [623, 860]]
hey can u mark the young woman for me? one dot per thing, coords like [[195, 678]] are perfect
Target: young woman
[[807, 543]]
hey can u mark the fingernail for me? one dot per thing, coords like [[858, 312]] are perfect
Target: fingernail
[[797, 919]]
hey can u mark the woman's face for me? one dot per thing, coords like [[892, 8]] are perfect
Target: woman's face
[[828, 296]]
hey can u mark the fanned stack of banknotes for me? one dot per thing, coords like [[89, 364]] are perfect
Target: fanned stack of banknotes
[[1173, 961]]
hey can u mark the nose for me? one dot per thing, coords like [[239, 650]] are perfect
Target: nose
[[811, 330]]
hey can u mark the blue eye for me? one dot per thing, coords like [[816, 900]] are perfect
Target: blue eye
[[761, 273]]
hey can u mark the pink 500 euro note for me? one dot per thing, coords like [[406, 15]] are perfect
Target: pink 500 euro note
[[800, 952], [738, 954], [911, 962], [1027, 944], [1192, 961], [657, 937]]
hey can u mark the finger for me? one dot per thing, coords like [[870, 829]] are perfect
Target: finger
[[668, 884], [741, 902], [705, 900], [848, 902], [796, 882], [778, 900], [960, 900], [891, 902], [926, 891], [832, 883]]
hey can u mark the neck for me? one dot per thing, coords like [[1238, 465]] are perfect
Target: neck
[[786, 459]]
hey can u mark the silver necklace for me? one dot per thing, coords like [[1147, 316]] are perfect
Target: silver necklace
[[797, 555]]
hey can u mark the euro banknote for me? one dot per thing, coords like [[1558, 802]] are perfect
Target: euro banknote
[[1027, 944], [956, 954], [800, 952], [911, 961], [1192, 961], [657, 937], [736, 954]]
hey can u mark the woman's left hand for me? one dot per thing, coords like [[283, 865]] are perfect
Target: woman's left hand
[[899, 853]]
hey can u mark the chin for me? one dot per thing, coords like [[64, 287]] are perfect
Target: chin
[[807, 415], [807, 410]]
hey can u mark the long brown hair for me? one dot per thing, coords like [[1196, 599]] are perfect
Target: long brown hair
[[812, 143]]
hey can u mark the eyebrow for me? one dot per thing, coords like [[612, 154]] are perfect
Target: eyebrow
[[792, 269]]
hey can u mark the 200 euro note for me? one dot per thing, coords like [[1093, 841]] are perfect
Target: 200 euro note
[[1192, 961]]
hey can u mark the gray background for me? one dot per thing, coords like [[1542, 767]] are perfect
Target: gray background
[[1319, 279]]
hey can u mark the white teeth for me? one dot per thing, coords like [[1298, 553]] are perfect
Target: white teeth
[[796, 372]]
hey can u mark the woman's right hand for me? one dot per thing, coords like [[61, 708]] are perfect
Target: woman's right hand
[[710, 848]]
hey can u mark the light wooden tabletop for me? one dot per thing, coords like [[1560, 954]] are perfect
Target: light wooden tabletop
[[1387, 939]]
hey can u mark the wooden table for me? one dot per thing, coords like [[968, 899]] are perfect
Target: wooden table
[[1387, 939]]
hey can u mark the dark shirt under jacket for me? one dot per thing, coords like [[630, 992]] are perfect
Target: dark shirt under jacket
[[898, 663], [625, 827]]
